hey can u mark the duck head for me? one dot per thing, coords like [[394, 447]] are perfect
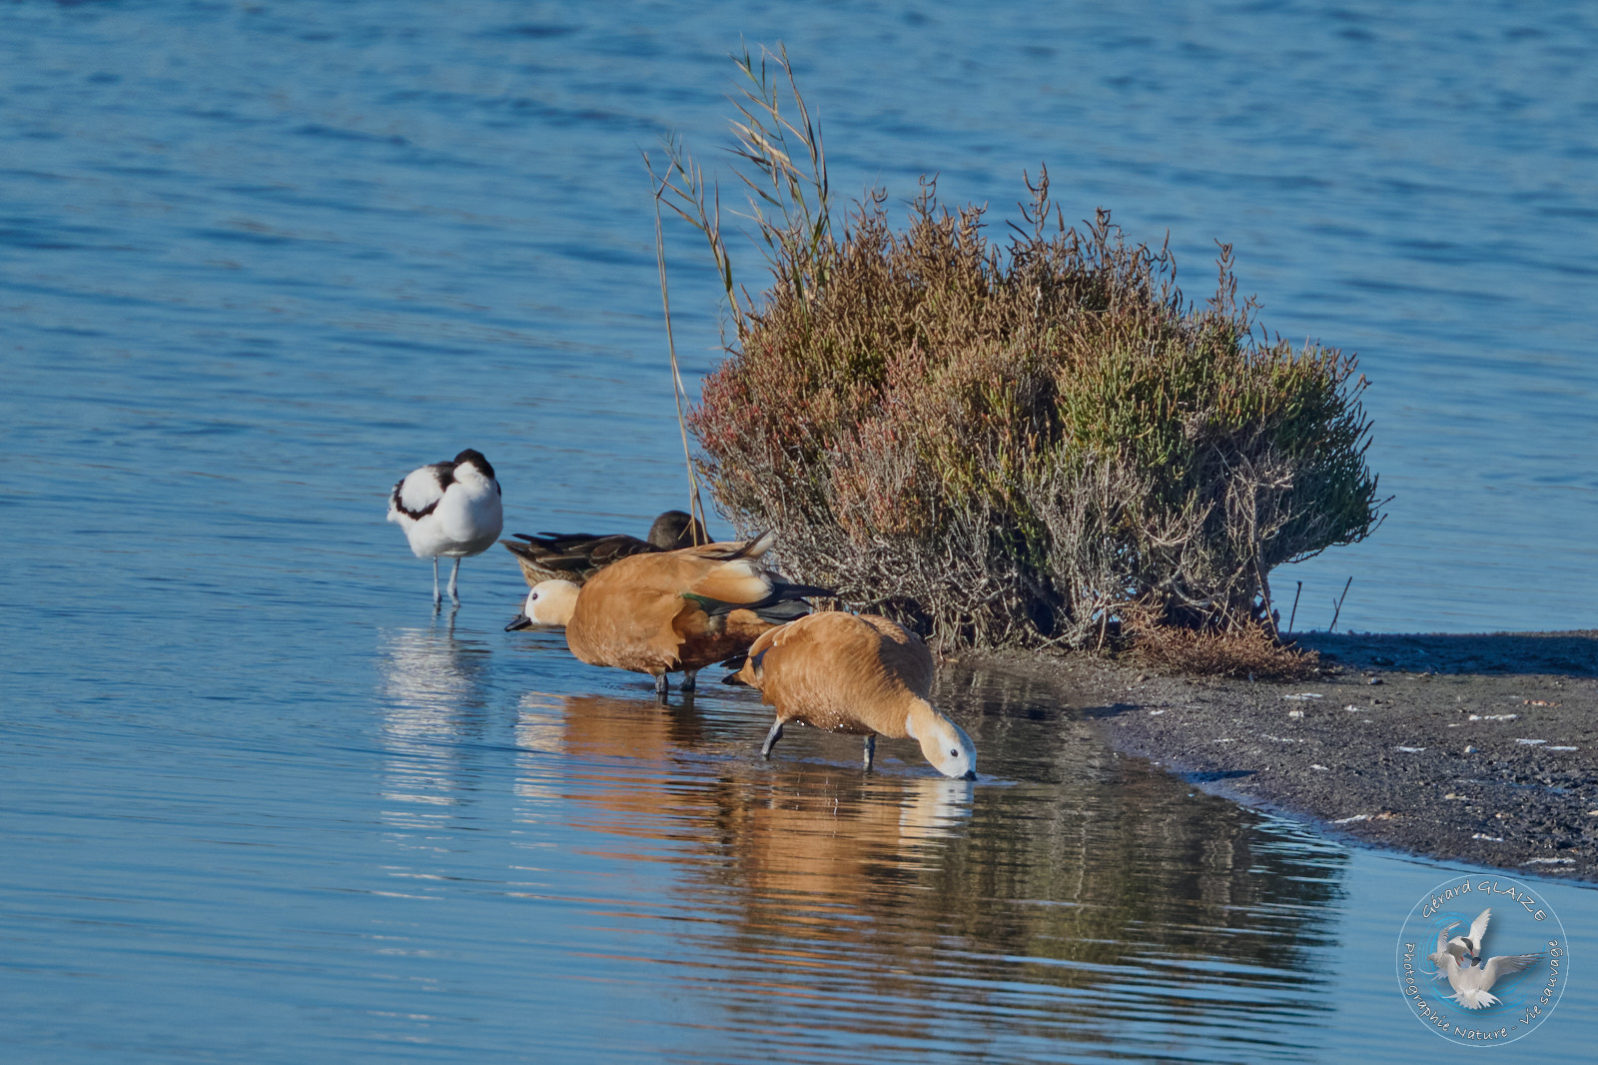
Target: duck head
[[945, 745], [547, 603]]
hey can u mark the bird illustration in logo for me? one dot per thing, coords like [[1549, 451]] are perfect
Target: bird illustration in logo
[[1466, 949], [1456, 958]]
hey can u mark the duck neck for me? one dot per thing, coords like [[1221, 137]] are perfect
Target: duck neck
[[919, 716], [557, 601]]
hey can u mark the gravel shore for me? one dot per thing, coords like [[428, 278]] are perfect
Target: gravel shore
[[1482, 749]]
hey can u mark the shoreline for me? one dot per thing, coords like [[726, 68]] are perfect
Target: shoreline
[[1471, 748]]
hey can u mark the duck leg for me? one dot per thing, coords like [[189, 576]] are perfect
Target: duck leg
[[771, 739], [688, 676], [660, 687], [437, 599], [871, 749], [454, 575]]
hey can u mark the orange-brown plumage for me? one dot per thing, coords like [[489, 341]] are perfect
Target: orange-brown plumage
[[841, 673], [860, 674], [677, 610]]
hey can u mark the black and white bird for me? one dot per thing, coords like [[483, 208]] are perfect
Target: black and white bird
[[450, 509]]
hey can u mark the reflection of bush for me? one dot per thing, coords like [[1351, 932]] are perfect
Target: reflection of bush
[[1017, 443]]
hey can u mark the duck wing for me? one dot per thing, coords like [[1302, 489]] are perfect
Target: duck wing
[[572, 556], [783, 602]]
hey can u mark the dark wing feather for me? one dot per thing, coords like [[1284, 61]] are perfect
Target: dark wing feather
[[416, 495], [573, 556]]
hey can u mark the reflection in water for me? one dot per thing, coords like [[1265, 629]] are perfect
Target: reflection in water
[[811, 844], [820, 909], [598, 729], [634, 759], [1055, 912], [603, 740], [434, 693]]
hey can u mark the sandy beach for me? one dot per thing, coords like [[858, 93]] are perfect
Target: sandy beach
[[1476, 748]]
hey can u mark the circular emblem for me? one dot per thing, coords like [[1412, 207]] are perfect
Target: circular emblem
[[1482, 959]]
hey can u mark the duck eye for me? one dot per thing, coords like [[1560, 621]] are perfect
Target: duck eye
[[955, 753]]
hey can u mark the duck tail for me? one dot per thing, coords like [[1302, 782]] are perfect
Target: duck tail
[[785, 602], [758, 544], [789, 590], [517, 548], [753, 547]]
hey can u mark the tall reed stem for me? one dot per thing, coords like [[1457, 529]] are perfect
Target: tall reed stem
[[696, 505]]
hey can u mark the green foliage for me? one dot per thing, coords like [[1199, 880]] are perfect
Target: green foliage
[[1013, 444]]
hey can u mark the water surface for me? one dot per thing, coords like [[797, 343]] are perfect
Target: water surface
[[493, 852]]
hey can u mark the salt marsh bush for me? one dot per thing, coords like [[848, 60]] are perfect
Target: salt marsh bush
[[1009, 442]]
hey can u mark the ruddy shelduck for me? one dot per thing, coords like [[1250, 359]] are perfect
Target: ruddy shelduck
[[859, 674], [672, 611], [449, 509], [577, 556]]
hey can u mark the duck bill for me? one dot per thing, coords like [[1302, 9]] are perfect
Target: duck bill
[[520, 621]]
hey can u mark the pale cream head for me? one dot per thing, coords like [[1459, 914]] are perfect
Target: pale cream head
[[945, 745], [547, 603]]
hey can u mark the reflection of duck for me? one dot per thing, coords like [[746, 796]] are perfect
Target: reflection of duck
[[823, 826], [671, 611], [832, 836], [934, 805], [606, 728], [615, 753], [577, 556], [863, 675]]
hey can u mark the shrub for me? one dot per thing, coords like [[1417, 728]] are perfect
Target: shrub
[[1017, 443]]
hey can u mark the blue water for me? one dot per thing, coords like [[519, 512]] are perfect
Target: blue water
[[256, 261]]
